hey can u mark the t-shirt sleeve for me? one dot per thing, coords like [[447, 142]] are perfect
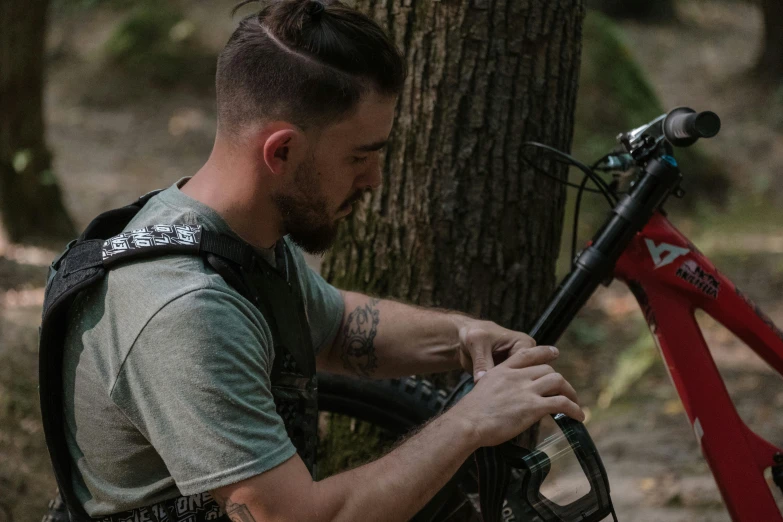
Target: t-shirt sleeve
[[196, 384], [324, 303]]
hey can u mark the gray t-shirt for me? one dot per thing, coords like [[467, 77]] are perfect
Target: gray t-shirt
[[166, 372]]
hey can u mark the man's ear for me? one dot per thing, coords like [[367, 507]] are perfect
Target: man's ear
[[284, 149]]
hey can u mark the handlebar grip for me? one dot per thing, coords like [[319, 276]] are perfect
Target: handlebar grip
[[683, 126]]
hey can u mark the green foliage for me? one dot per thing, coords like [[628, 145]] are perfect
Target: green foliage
[[21, 160], [614, 93], [345, 443], [588, 333], [632, 363], [615, 96], [73, 5], [777, 109], [156, 42], [642, 10]]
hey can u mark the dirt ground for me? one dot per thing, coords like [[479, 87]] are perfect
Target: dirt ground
[[110, 146]]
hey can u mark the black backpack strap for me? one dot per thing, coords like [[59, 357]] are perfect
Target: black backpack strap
[[83, 269], [175, 239], [78, 267], [494, 477], [494, 473]]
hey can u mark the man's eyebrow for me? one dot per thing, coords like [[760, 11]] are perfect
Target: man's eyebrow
[[371, 147]]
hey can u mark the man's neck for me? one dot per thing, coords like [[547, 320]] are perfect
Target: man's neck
[[244, 205]]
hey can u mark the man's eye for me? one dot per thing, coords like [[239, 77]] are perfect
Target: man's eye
[[358, 159]]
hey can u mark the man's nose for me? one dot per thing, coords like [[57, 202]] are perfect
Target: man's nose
[[373, 177]]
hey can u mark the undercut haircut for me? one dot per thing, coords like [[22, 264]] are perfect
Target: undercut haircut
[[303, 61]]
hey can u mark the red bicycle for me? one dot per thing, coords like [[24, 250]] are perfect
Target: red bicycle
[[671, 279]]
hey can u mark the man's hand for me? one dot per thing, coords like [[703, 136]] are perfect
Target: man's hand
[[515, 394], [483, 344]]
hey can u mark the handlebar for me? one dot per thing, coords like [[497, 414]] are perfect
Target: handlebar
[[683, 126], [649, 148]]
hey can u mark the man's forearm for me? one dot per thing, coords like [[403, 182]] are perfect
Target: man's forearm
[[382, 338], [505, 402], [396, 486]]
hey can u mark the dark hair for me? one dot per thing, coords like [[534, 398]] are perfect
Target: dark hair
[[305, 62]]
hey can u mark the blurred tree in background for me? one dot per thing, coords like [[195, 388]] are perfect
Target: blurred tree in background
[[770, 63], [645, 10], [31, 209]]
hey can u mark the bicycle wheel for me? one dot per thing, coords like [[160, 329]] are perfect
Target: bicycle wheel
[[361, 420]]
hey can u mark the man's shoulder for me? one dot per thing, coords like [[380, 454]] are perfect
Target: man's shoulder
[[155, 281]]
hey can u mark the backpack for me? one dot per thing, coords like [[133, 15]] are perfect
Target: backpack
[[102, 247]]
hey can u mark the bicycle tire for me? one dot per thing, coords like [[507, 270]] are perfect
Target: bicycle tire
[[399, 406]]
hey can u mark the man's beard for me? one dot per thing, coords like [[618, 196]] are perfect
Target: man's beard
[[305, 212]]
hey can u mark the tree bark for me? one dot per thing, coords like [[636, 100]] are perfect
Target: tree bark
[[770, 63], [461, 222], [31, 208]]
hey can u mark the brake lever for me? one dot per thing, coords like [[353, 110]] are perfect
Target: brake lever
[[636, 133]]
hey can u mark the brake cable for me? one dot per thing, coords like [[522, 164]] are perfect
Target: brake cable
[[589, 174]]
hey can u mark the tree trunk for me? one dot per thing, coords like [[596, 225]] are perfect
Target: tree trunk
[[31, 209], [770, 63], [461, 222]]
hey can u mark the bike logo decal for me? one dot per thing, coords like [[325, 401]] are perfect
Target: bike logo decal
[[656, 252], [693, 274]]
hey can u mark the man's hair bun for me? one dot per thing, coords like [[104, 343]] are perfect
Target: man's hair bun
[[315, 9]]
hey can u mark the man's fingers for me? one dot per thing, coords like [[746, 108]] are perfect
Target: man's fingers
[[534, 373], [562, 404], [552, 384], [524, 343], [531, 357], [479, 345]]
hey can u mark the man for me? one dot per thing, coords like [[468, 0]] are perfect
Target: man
[[169, 387]]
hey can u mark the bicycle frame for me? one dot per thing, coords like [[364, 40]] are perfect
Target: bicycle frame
[[671, 279]]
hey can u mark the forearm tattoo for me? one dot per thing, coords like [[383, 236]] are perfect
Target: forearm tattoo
[[358, 350]]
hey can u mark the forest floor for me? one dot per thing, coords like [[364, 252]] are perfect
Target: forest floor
[[113, 142]]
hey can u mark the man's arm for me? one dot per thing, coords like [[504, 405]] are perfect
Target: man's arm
[[383, 338], [380, 490], [508, 400]]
